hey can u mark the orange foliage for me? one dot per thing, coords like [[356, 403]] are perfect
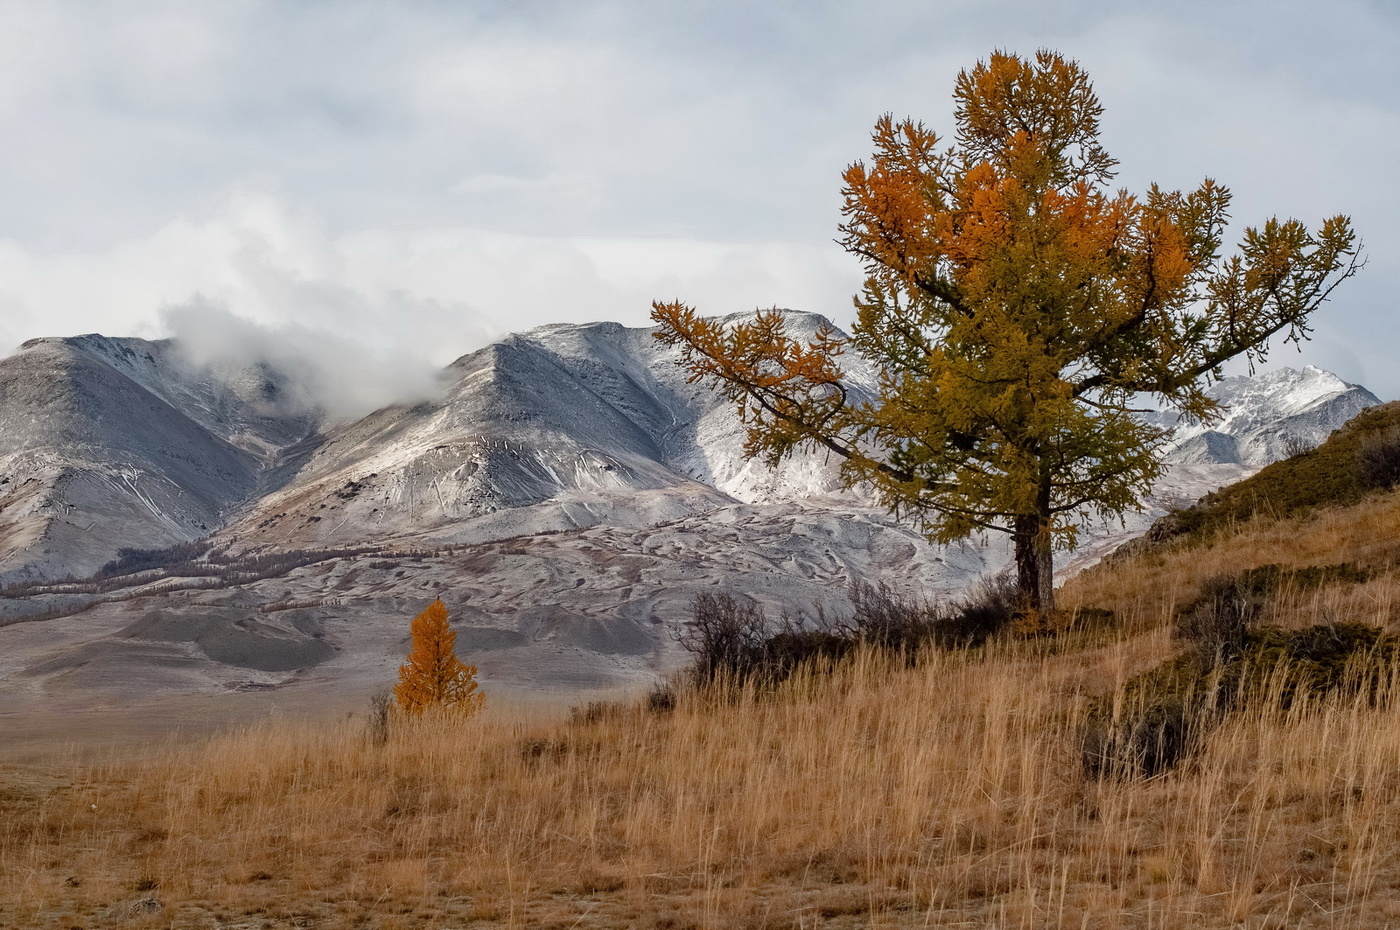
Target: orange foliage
[[433, 676]]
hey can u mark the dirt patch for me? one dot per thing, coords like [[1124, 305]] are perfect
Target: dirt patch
[[232, 638]]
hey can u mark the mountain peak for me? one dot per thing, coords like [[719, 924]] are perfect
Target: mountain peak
[[1268, 416]]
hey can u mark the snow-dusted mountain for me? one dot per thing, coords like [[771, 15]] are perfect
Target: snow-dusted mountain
[[1268, 417], [110, 443], [555, 429], [567, 493], [117, 442]]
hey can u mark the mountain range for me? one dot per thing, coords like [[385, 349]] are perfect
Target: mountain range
[[567, 492]]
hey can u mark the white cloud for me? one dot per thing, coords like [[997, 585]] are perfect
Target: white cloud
[[416, 178], [393, 306], [340, 375]]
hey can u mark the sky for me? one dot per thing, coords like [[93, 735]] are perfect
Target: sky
[[390, 185]]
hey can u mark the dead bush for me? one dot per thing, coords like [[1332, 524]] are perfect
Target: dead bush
[[1215, 624], [726, 636]]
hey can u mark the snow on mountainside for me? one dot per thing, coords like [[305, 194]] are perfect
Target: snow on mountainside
[[115, 442], [1268, 417], [106, 443], [558, 428]]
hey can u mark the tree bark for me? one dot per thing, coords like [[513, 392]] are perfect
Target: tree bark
[[1035, 562], [1035, 570]]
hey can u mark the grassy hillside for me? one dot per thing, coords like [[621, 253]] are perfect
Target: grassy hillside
[[1359, 458], [950, 793]]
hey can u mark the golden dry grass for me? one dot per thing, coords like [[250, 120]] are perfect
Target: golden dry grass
[[1146, 588], [945, 795], [949, 794]]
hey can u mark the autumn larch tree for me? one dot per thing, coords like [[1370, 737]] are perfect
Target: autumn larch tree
[[433, 676], [1017, 309]]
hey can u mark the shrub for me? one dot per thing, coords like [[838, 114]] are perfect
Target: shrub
[[885, 620], [989, 608], [794, 646], [1294, 446], [1320, 660], [595, 712], [1315, 576], [661, 699], [1217, 620], [1378, 461], [1215, 623], [726, 636], [1164, 715], [734, 641]]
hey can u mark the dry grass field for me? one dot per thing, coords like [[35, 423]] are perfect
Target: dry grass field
[[950, 793]]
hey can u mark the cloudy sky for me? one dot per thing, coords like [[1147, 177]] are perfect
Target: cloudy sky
[[404, 181]]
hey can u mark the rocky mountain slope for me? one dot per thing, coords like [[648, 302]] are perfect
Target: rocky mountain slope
[[567, 494], [111, 442], [1268, 417], [555, 429]]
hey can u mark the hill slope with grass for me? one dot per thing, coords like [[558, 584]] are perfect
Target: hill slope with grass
[[1361, 457]]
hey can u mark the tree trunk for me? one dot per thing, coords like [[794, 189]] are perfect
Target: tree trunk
[[1035, 563], [1035, 570]]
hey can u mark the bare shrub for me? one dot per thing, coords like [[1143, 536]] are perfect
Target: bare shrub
[[734, 641], [990, 607], [1378, 461], [1294, 446], [726, 636], [798, 644], [595, 712], [661, 699], [1215, 623], [881, 618]]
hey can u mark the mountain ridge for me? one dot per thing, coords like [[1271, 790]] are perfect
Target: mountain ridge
[[1267, 417], [567, 493]]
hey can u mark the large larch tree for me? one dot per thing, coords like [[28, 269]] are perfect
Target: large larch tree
[[1018, 310]]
